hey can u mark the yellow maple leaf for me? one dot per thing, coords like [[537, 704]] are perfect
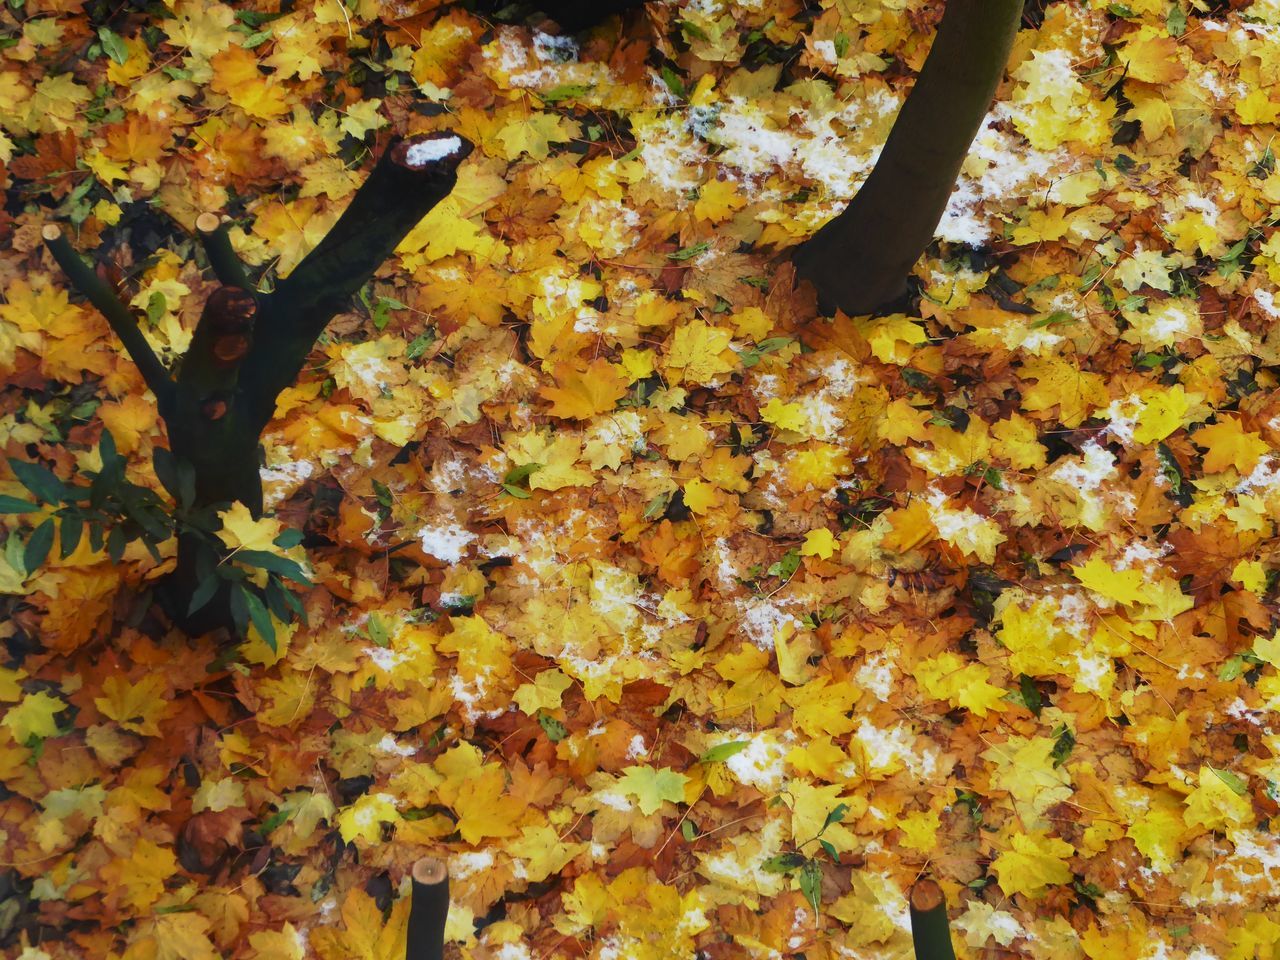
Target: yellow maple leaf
[[891, 338], [1228, 444], [365, 817], [240, 531], [33, 717], [137, 707], [544, 693], [141, 875], [1220, 802], [652, 787], [699, 352], [1032, 863], [236, 74], [1157, 831], [535, 133], [920, 830], [365, 936], [948, 677], [820, 543], [581, 394], [718, 200], [1121, 586]]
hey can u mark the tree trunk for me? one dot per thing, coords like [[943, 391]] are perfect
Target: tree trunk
[[860, 261], [250, 346]]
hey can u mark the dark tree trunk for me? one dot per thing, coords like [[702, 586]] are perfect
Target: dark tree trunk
[[250, 346], [860, 261]]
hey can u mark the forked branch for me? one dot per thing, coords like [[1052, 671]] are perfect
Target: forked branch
[[120, 317], [860, 261], [226, 265]]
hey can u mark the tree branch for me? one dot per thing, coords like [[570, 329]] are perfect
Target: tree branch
[[930, 932], [120, 317], [428, 910], [861, 260], [226, 265], [409, 179]]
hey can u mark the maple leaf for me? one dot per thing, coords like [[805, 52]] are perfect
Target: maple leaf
[[33, 718], [141, 876], [581, 394], [652, 787], [1032, 863], [365, 936], [1220, 802], [1228, 444], [240, 531], [535, 133], [137, 707]]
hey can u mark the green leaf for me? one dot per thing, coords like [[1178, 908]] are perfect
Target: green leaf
[[116, 542], [261, 619], [673, 81], [377, 632], [1237, 785], [521, 474], [1058, 316], [723, 751], [418, 345], [688, 831], [281, 566], [784, 863], [14, 505], [1176, 21], [382, 493], [156, 307], [113, 45], [566, 91], [288, 538], [240, 610], [38, 546], [688, 253], [39, 480], [553, 728], [832, 852], [69, 534], [203, 593], [518, 492], [1030, 694], [811, 884], [786, 567], [657, 506], [835, 816]]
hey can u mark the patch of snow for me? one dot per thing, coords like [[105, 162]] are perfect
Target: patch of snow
[[420, 154]]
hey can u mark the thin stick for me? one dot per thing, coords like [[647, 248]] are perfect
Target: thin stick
[[120, 317], [214, 234], [428, 910], [930, 932]]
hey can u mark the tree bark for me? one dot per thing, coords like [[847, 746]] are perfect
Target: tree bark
[[930, 931], [250, 346], [860, 261], [428, 910]]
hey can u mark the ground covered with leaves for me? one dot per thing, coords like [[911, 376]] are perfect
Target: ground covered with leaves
[[678, 619]]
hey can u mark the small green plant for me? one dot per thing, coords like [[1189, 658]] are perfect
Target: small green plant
[[112, 512], [809, 868]]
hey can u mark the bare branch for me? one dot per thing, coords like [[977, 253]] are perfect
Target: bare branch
[[122, 320], [214, 234]]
